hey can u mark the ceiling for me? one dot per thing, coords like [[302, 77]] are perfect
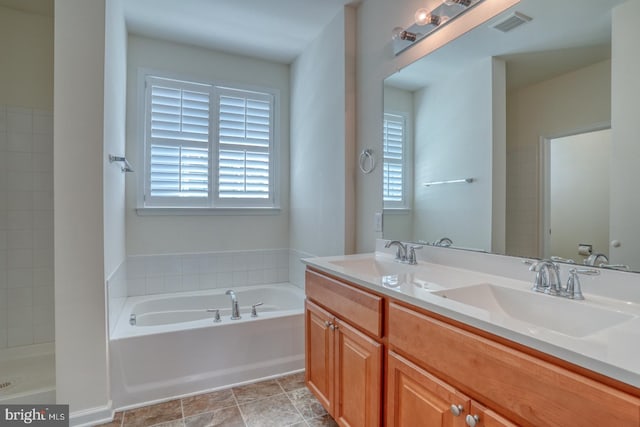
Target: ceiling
[[39, 7], [275, 30], [563, 35]]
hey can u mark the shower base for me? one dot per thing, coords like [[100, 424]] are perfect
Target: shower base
[[27, 375]]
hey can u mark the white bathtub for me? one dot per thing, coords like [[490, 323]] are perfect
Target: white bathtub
[[175, 348]]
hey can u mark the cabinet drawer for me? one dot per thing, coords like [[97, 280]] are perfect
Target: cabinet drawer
[[528, 390], [359, 308]]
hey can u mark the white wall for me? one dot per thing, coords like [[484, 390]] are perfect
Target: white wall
[[448, 147], [376, 19], [322, 146], [26, 74], [26, 179], [625, 156], [81, 329], [115, 95], [182, 234], [561, 105]]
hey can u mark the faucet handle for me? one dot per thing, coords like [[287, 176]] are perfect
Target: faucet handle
[[574, 290], [216, 314], [254, 312], [411, 257]]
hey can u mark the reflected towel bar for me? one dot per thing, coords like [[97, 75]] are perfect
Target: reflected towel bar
[[453, 181]]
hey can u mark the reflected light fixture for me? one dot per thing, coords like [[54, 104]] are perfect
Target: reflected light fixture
[[465, 3], [426, 21], [399, 33], [424, 17]]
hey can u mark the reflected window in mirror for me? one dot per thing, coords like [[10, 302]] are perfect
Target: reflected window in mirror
[[395, 165]]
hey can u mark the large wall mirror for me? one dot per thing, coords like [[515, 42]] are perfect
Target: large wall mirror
[[502, 141]]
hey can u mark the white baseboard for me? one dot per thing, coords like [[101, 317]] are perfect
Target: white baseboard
[[92, 416]]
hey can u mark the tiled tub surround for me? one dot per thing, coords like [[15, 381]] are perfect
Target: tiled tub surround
[[192, 353], [159, 274], [279, 402]]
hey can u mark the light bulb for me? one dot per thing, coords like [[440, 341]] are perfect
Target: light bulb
[[399, 34], [396, 33], [422, 17]]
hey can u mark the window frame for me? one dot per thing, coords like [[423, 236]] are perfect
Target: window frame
[[405, 204], [210, 205]]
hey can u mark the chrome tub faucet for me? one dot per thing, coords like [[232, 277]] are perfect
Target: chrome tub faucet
[[235, 308]]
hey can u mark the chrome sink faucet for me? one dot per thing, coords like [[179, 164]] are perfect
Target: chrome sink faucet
[[401, 251], [596, 258], [405, 254], [235, 308], [547, 277]]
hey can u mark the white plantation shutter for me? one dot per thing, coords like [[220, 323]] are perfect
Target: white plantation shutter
[[393, 173], [179, 171], [245, 139], [207, 146], [178, 142]]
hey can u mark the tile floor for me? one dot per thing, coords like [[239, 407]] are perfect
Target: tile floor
[[280, 402]]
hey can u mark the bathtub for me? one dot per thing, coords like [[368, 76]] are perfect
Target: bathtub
[[175, 348]]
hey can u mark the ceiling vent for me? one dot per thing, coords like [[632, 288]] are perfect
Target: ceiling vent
[[511, 22]]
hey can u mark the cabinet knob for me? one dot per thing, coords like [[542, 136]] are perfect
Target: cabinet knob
[[327, 323], [457, 410], [472, 420], [333, 327]]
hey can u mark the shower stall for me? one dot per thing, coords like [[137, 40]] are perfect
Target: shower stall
[[27, 368]]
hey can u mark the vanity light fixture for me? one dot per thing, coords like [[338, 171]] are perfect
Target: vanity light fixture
[[426, 21]]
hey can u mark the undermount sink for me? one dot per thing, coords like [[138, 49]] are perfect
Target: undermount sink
[[374, 267], [568, 317]]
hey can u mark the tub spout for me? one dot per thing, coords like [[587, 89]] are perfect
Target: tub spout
[[235, 308]]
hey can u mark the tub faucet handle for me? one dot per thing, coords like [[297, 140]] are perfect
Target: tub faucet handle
[[216, 314], [254, 312]]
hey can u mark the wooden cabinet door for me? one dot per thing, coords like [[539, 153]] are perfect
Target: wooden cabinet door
[[319, 360], [358, 368], [417, 398], [485, 417]]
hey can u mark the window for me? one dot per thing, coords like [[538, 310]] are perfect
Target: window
[[208, 146], [394, 192]]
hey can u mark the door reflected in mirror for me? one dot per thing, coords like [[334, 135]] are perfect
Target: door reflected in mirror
[[508, 123]]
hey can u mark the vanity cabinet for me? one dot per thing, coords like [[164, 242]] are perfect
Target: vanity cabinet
[[414, 394], [516, 385], [440, 372], [343, 351]]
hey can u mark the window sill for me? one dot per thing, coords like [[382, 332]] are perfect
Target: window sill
[[169, 211]]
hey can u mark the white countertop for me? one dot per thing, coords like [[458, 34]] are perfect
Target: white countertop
[[613, 351]]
